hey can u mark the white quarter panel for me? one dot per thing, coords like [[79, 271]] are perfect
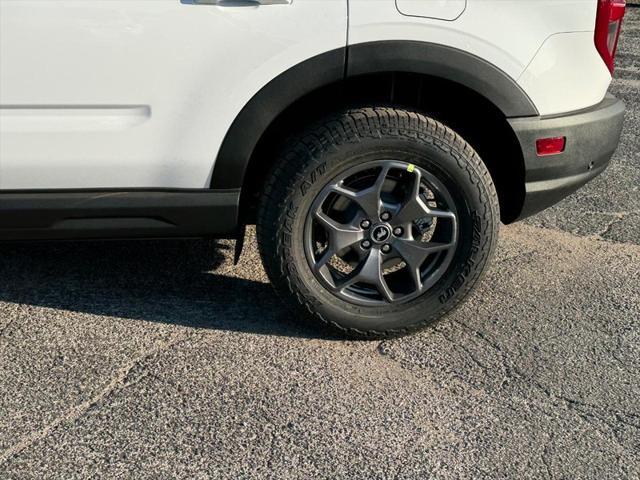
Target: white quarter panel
[[442, 9], [566, 74], [506, 33], [139, 93]]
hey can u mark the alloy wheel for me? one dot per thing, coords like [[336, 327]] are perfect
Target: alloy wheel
[[381, 233]]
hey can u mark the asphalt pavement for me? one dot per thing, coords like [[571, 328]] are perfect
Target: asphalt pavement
[[162, 360]]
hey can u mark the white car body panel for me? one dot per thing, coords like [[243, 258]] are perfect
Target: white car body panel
[[508, 34], [139, 93], [557, 78]]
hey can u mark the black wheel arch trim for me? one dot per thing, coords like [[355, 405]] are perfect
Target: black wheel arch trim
[[336, 66], [272, 100], [446, 63]]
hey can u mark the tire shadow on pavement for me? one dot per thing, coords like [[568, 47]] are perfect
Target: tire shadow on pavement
[[171, 282]]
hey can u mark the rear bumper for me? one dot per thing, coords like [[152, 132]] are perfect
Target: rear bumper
[[592, 138]]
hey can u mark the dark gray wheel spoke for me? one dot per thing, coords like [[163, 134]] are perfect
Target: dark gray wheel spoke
[[370, 271], [440, 214], [411, 211], [415, 208], [368, 199], [341, 236], [324, 260], [415, 253]]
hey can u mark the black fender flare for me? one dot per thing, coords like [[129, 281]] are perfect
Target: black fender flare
[[266, 105], [443, 62], [361, 59]]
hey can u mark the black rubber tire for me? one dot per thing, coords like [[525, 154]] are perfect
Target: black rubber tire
[[310, 160]]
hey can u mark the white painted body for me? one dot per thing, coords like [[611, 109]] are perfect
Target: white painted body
[[141, 93], [191, 67]]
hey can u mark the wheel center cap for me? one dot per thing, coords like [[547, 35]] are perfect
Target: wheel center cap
[[380, 233]]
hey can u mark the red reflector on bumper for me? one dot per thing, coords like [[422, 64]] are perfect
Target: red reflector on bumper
[[551, 146]]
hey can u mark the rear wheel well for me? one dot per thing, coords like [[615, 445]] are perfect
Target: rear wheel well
[[476, 119]]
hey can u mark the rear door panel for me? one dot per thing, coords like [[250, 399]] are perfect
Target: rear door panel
[[139, 93]]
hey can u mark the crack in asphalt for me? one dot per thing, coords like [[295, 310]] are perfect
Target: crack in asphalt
[[514, 373], [77, 411], [546, 455], [591, 414], [618, 217], [6, 326], [469, 353]]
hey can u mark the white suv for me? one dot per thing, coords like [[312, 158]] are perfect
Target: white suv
[[377, 144]]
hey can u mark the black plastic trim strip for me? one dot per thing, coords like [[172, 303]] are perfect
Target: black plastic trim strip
[[100, 214]]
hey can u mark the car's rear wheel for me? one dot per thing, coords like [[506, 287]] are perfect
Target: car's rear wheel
[[377, 221]]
